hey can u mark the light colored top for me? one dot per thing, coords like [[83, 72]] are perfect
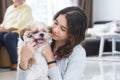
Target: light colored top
[[72, 68], [17, 17], [59, 64]]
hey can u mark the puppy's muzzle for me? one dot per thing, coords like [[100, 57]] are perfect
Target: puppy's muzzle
[[41, 35]]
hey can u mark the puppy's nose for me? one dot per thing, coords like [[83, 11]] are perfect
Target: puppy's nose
[[41, 35]]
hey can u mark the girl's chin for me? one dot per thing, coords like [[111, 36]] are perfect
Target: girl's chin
[[54, 38]]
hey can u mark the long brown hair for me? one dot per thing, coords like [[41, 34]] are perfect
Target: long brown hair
[[77, 25]]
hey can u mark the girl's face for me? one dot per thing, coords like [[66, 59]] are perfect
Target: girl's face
[[13, 0], [17, 0], [59, 29]]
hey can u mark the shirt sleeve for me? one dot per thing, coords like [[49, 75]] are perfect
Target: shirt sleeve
[[75, 67], [54, 74], [5, 15]]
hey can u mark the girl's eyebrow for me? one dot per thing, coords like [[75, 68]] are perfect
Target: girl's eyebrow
[[62, 25]]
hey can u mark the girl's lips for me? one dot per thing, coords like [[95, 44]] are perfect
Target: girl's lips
[[54, 35]]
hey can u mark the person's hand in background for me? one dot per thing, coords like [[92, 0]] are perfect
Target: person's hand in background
[[11, 29], [2, 29]]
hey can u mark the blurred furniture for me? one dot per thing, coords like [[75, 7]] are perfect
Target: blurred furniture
[[102, 22], [93, 41], [5, 61], [91, 46], [113, 37]]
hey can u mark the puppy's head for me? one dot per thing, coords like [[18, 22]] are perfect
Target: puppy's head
[[39, 31]]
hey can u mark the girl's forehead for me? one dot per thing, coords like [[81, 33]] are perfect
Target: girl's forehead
[[62, 20]]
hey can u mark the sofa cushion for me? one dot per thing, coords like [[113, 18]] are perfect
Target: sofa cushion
[[5, 61]]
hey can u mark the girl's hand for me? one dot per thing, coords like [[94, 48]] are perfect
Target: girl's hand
[[28, 49], [26, 53], [47, 53]]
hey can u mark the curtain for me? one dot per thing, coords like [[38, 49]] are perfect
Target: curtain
[[48, 8], [86, 5], [55, 7], [3, 6]]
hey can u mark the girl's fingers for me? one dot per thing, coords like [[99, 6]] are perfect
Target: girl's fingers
[[31, 42]]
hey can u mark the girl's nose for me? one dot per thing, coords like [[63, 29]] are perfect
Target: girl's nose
[[55, 29]]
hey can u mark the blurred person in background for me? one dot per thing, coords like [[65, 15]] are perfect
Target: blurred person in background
[[16, 17]]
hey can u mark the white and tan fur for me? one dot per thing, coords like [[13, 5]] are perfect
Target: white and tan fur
[[37, 66]]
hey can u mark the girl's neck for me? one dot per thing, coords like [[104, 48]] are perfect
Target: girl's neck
[[58, 44]]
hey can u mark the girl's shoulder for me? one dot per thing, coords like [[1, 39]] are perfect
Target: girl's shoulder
[[78, 51]]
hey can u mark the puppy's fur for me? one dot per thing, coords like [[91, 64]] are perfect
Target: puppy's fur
[[37, 65]]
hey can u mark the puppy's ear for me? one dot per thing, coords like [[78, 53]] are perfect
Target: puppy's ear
[[50, 29], [21, 33]]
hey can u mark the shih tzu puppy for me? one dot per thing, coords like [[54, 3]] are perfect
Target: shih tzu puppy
[[37, 66]]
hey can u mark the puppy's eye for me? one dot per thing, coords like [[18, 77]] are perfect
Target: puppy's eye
[[35, 32], [29, 36], [44, 30]]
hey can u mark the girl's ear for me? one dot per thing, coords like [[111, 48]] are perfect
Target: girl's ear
[[21, 33]]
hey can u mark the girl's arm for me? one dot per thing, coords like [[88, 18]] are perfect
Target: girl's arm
[[26, 53], [74, 67]]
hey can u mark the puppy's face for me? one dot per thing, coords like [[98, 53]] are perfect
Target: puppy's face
[[38, 31]]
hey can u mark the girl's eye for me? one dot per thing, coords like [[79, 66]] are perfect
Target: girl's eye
[[63, 29], [55, 22]]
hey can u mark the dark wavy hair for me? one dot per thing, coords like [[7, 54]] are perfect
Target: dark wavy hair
[[77, 25]]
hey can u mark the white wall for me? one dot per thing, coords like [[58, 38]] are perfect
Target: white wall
[[106, 10]]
